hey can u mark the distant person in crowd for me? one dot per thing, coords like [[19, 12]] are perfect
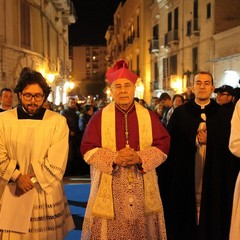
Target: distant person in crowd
[[6, 99], [143, 103], [224, 95], [197, 180], [166, 101], [234, 146], [84, 118], [236, 96], [60, 107], [188, 94], [90, 101], [47, 105], [154, 102], [124, 143], [159, 111], [177, 101], [33, 156], [225, 98], [70, 113], [101, 104]]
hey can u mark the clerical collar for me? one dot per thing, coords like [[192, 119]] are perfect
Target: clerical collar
[[123, 110], [22, 114], [202, 105]]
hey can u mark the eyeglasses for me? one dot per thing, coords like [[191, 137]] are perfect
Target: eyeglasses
[[37, 97], [222, 94], [119, 87]]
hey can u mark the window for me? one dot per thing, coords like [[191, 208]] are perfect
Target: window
[[169, 22], [138, 26], [156, 76], [25, 24], [138, 69], [173, 65], [189, 28], [208, 10], [95, 65], [165, 73], [195, 9], [87, 51], [195, 59], [88, 74], [130, 34], [155, 31], [95, 51], [165, 67], [176, 19]]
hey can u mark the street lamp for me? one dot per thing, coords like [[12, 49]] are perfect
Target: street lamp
[[68, 85], [50, 77]]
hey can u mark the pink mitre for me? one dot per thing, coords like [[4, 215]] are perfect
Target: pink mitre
[[120, 70]]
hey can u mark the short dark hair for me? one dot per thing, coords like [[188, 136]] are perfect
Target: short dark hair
[[24, 70], [71, 98], [178, 95], [203, 72], [164, 96], [5, 89], [32, 77], [87, 107]]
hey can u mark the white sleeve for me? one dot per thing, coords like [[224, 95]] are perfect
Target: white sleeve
[[234, 142]]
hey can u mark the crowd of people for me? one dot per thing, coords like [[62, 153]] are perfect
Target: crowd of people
[[164, 170]]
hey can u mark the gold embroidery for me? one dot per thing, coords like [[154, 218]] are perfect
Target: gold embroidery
[[103, 205]]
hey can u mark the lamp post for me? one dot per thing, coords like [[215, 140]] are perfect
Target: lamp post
[[68, 86], [50, 77]]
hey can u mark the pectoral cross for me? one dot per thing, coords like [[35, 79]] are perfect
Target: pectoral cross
[[130, 169]]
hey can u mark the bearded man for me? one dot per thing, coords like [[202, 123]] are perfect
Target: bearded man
[[33, 157]]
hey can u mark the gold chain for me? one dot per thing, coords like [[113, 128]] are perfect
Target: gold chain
[[130, 170], [126, 123]]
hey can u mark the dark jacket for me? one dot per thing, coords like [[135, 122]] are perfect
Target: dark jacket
[[72, 119], [177, 175]]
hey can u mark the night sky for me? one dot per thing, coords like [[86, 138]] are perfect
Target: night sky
[[93, 19]]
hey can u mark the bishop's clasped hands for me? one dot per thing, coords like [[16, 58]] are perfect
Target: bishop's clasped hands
[[127, 157]]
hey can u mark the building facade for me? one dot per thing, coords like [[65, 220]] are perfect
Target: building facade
[[167, 41], [127, 40], [89, 66], [34, 33]]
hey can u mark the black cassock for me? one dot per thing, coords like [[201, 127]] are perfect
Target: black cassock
[[177, 174]]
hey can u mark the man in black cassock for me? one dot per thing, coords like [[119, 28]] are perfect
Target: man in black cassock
[[198, 178]]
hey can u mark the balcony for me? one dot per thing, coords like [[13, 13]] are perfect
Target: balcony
[[153, 46], [63, 5], [67, 9], [171, 38], [69, 16], [192, 28]]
